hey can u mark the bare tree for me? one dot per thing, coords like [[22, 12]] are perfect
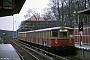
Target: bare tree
[[63, 11], [47, 14], [32, 13]]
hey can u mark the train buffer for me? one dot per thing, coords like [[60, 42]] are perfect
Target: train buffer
[[7, 52]]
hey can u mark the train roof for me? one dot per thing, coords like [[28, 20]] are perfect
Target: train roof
[[7, 52], [22, 32], [48, 29]]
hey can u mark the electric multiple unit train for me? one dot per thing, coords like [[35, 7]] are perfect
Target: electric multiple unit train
[[58, 40]]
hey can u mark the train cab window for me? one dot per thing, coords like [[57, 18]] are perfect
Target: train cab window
[[71, 32], [63, 34], [55, 33]]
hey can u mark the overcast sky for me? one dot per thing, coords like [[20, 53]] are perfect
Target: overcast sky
[[6, 23]]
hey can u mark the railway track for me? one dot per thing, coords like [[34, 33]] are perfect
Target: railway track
[[28, 52], [48, 55], [25, 53], [40, 55]]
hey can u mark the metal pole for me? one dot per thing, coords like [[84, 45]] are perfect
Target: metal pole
[[16, 29], [16, 24], [13, 26]]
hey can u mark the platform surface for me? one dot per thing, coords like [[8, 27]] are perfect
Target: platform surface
[[83, 46], [7, 52]]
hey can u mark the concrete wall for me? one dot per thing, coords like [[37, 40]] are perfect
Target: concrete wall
[[83, 53]]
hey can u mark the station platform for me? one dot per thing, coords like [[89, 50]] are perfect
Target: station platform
[[83, 51], [83, 46], [7, 52]]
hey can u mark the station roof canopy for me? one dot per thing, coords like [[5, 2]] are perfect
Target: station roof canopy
[[86, 11], [10, 7]]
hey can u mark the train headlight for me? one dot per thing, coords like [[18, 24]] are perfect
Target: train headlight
[[61, 30]]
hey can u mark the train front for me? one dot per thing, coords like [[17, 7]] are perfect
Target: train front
[[63, 41]]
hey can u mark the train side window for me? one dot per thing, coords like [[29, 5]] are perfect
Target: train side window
[[55, 33], [63, 34], [50, 33]]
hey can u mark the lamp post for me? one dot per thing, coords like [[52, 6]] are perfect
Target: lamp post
[[13, 26], [16, 28]]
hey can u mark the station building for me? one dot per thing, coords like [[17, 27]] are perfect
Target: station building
[[40, 23]]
